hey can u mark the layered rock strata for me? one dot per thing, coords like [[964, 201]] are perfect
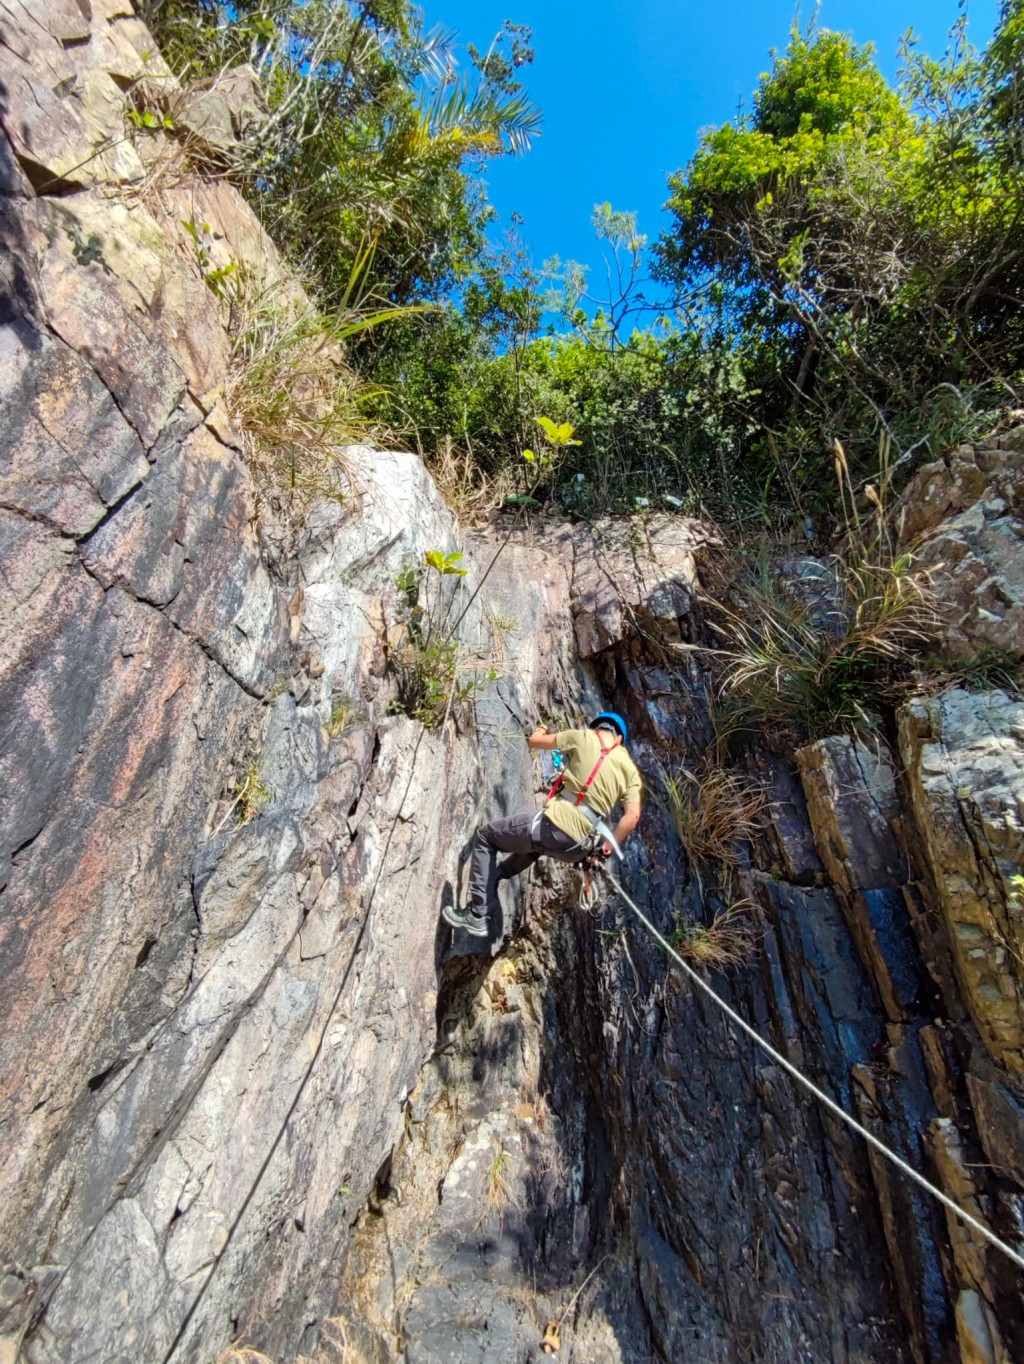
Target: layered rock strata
[[251, 1090]]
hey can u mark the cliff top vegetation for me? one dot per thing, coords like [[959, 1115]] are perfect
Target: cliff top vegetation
[[842, 261]]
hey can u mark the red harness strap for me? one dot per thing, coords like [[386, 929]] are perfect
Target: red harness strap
[[557, 785]]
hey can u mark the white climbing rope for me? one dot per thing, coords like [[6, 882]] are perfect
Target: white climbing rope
[[819, 1094]]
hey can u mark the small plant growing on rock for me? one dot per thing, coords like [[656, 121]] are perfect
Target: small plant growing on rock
[[989, 667], [217, 277], [730, 938], [342, 714], [499, 1191], [251, 794], [543, 463], [712, 811], [430, 675]]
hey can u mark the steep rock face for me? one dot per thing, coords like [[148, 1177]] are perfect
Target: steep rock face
[[964, 757], [587, 1121], [589, 1146], [180, 985], [228, 1040]]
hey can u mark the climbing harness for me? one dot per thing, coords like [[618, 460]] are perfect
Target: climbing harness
[[551, 764], [559, 781], [968, 1218], [600, 827]]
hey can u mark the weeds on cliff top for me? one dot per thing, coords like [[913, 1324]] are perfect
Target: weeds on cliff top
[[729, 940], [711, 811], [468, 489], [291, 393], [821, 668], [292, 397]]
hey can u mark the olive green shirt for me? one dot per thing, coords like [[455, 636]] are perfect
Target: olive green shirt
[[617, 781]]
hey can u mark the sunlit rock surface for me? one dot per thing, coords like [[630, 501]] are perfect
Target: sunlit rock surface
[[251, 1089], [965, 518], [964, 758]]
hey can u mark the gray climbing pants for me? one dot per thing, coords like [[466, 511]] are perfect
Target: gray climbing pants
[[523, 838]]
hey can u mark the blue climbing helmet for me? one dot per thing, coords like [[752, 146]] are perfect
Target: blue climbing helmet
[[609, 717]]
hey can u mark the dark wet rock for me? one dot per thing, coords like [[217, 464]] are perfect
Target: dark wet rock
[[854, 812], [999, 1114]]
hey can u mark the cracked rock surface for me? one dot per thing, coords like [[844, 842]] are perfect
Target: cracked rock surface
[[251, 1088]]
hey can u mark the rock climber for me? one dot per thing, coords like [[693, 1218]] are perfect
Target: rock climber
[[597, 775]]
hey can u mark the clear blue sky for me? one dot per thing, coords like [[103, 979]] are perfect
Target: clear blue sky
[[626, 86]]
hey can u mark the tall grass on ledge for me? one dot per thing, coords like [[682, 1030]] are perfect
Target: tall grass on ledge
[[290, 392], [292, 397], [787, 664]]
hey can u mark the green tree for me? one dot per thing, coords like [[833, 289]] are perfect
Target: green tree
[[624, 248], [860, 246], [364, 167]]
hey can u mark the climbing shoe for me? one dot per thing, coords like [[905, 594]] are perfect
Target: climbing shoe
[[466, 918]]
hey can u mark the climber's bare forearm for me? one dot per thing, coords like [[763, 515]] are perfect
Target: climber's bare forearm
[[540, 738], [630, 819]]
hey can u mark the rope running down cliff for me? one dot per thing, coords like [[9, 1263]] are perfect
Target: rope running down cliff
[[819, 1094]]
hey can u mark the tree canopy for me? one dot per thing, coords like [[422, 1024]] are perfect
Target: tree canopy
[[845, 259]]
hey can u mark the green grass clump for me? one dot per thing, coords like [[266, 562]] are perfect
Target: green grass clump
[[818, 672], [712, 811], [989, 668], [729, 940], [250, 795]]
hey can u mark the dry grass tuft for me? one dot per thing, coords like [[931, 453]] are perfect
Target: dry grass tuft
[[292, 397], [712, 811], [729, 940], [499, 1189], [469, 491]]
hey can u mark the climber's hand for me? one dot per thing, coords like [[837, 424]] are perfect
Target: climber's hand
[[605, 850]]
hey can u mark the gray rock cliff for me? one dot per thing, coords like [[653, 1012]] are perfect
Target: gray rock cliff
[[251, 1089]]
